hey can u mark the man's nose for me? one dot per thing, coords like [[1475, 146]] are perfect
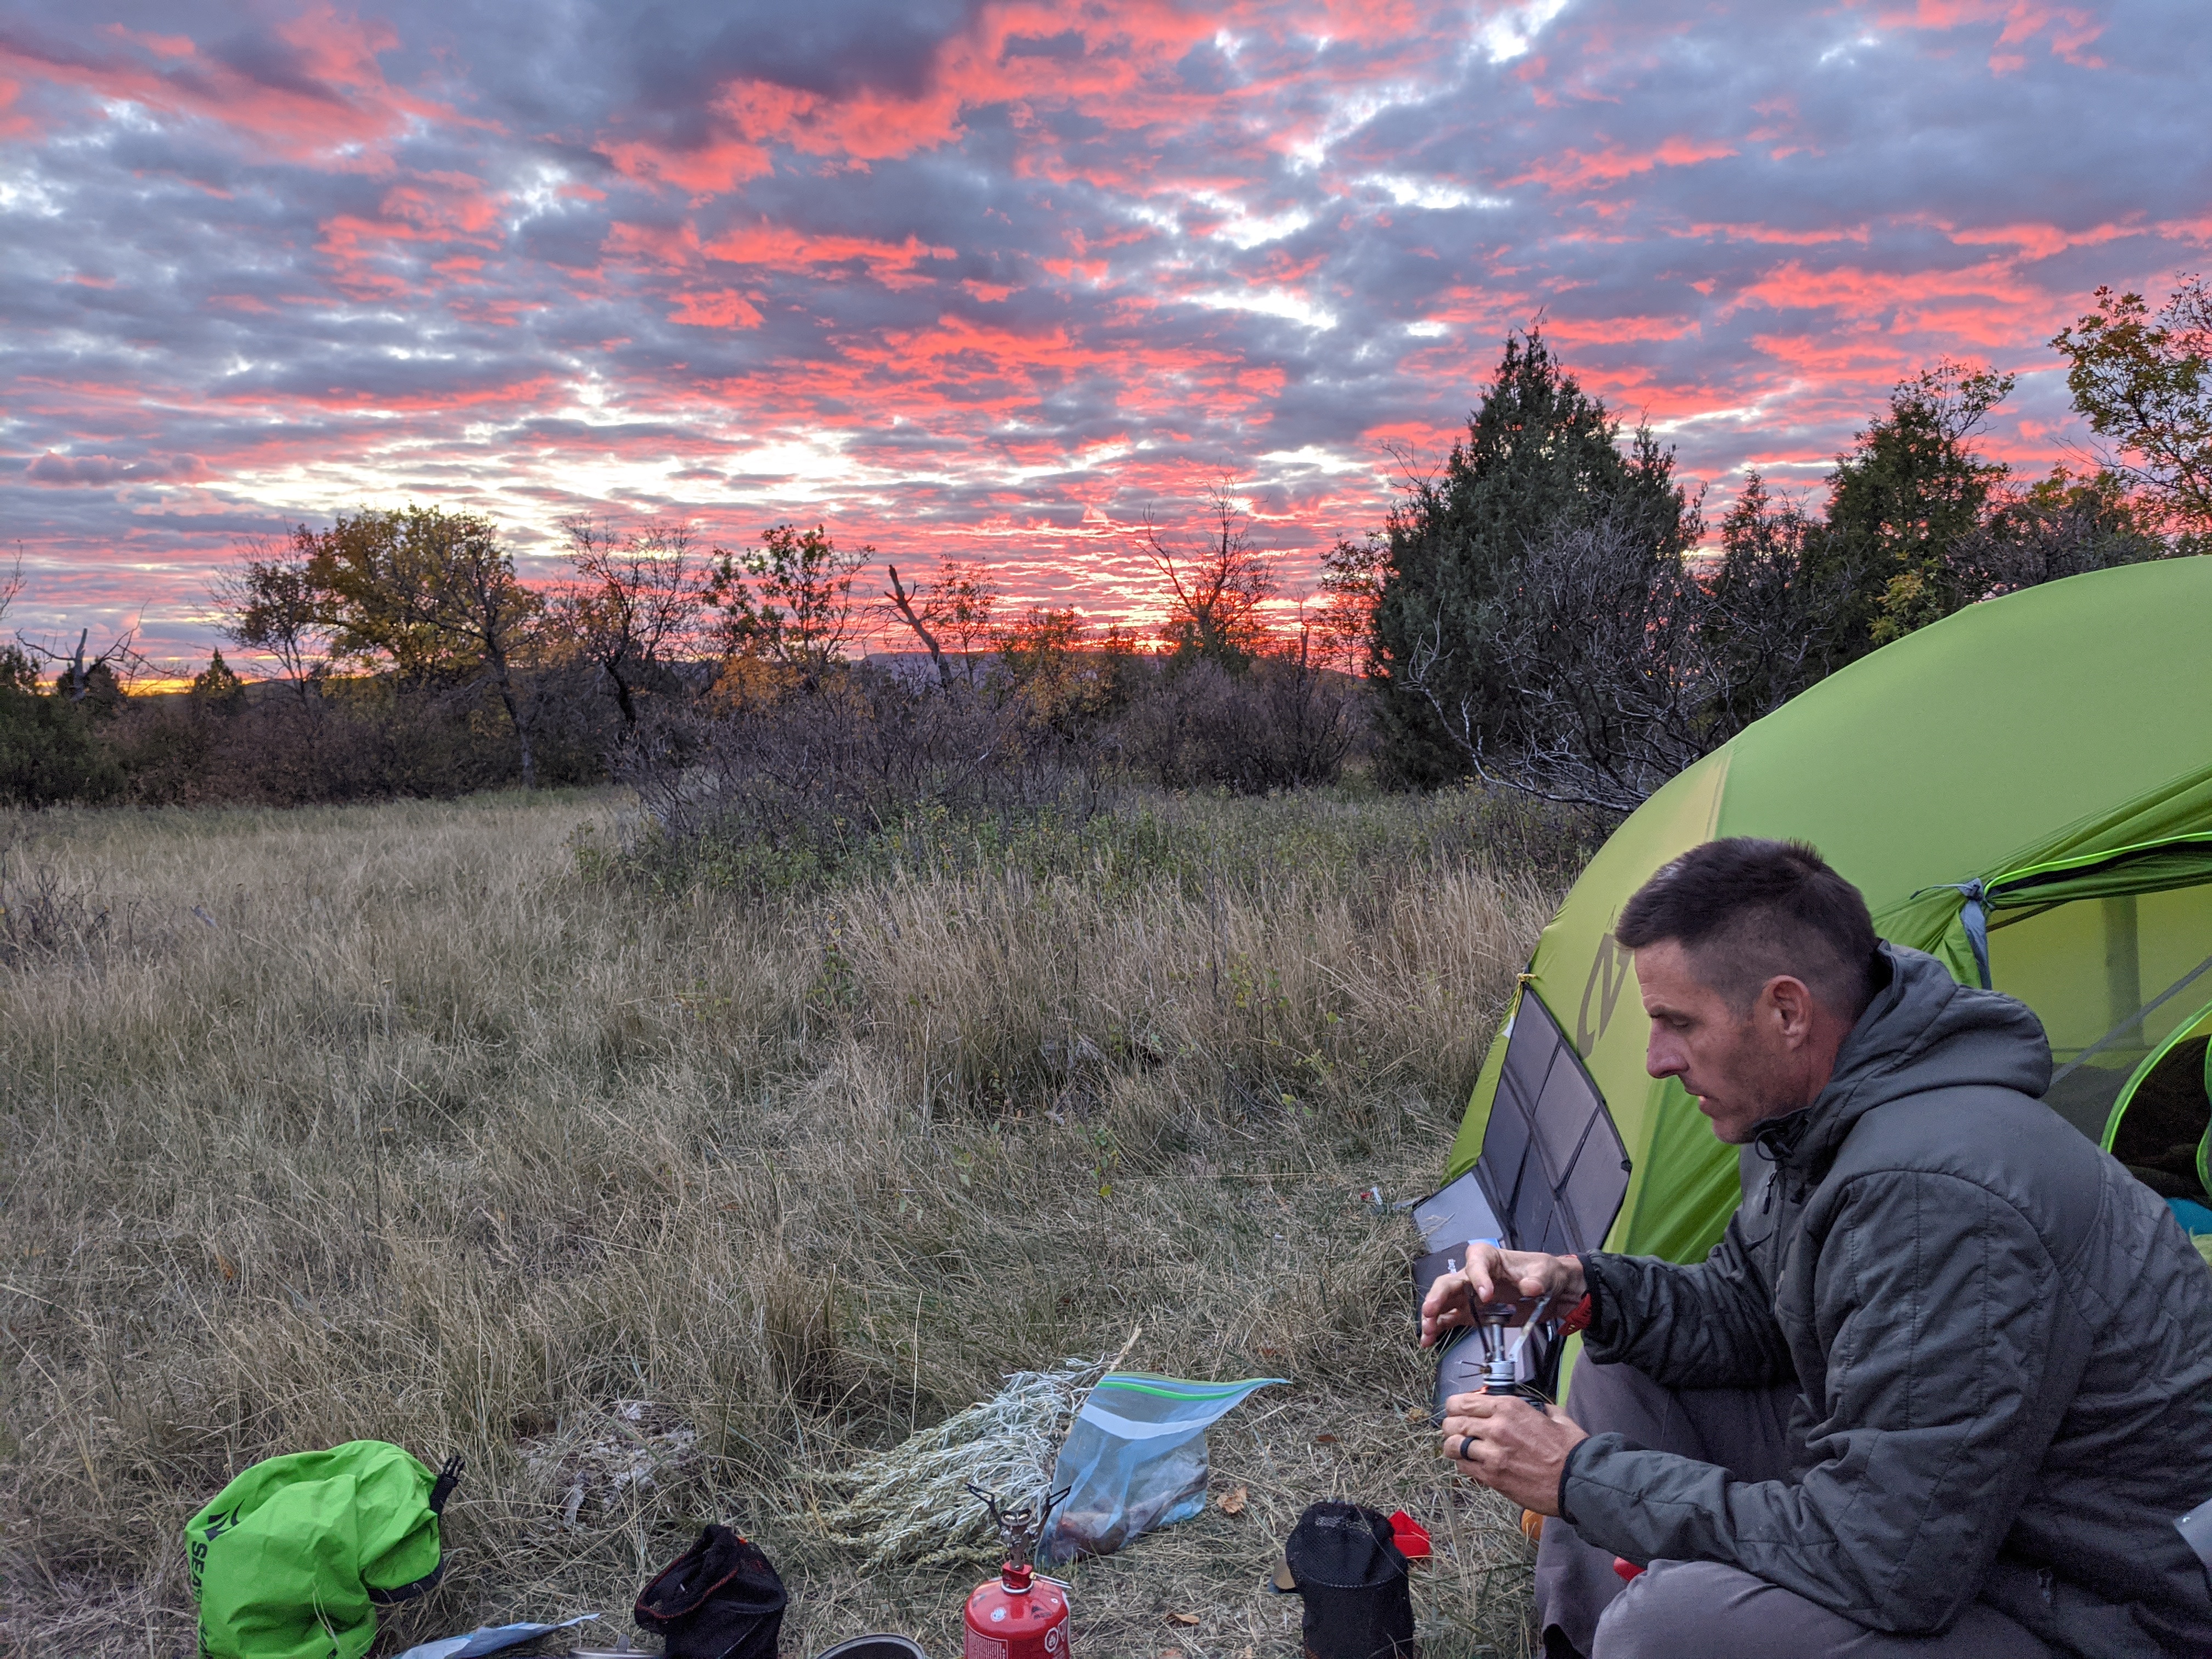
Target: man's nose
[[1663, 1058]]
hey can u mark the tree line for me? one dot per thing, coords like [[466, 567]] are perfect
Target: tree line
[[1541, 612], [401, 651], [1542, 615]]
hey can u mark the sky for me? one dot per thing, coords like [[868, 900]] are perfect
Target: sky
[[997, 280]]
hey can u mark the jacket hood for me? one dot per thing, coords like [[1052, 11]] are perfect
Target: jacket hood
[[1923, 1030]]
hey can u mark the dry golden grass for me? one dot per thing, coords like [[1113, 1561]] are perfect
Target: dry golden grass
[[385, 1122]]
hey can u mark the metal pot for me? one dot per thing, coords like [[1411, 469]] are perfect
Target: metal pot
[[874, 1647]]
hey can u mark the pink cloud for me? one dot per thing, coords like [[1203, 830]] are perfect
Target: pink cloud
[[722, 308], [1572, 168], [2070, 29], [337, 98]]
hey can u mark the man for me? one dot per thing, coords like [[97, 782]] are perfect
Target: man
[[1944, 1387]]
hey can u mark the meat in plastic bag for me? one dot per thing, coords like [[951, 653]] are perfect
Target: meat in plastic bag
[[1135, 1459]]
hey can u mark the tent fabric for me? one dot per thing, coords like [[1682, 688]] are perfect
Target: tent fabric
[[2026, 754], [2143, 846]]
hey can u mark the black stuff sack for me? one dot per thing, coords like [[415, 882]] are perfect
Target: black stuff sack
[[720, 1600], [1345, 1564]]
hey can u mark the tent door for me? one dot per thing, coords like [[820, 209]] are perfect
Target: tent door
[[2111, 976], [2158, 1126]]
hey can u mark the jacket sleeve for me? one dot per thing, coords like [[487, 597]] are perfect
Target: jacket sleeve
[[1951, 1356], [1708, 1325]]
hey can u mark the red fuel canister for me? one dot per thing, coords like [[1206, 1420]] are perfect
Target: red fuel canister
[[1017, 1615]]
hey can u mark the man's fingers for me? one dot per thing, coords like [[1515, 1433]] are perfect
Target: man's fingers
[[1473, 1406], [1439, 1295], [1470, 1452], [1438, 1311], [1483, 1464], [1477, 1414]]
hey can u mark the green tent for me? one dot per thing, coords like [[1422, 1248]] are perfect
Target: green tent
[[2024, 788]]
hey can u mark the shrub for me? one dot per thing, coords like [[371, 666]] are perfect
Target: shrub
[[49, 750], [1283, 723]]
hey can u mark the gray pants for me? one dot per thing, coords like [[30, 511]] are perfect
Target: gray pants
[[1702, 1609]]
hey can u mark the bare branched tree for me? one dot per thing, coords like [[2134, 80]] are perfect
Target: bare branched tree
[[271, 606], [1215, 590], [79, 674], [951, 615], [911, 604], [635, 606]]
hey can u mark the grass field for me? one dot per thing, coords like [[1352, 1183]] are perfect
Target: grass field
[[402, 1122]]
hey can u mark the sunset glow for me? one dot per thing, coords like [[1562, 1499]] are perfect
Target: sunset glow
[[994, 280]]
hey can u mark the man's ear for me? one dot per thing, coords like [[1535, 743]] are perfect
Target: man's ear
[[1792, 1001]]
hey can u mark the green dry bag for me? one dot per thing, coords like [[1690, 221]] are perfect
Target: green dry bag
[[293, 1558]]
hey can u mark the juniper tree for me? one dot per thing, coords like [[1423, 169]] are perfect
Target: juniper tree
[[1541, 458], [1905, 493]]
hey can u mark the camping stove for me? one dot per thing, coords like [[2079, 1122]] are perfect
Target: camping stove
[[1019, 1614], [1501, 1348]]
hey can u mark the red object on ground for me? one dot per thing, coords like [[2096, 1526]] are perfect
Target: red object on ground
[[1411, 1537], [1626, 1568], [1017, 1615]]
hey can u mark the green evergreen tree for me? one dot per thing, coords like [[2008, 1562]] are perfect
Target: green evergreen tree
[[1768, 619], [1900, 501], [49, 751], [217, 687], [1541, 457]]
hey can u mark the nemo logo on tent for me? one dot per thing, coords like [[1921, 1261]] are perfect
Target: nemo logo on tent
[[1608, 974]]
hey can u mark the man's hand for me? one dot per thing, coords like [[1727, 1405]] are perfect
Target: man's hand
[[1494, 1275], [1508, 1446]]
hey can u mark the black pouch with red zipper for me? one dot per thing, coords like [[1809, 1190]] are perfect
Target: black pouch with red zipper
[[720, 1600], [1343, 1559]]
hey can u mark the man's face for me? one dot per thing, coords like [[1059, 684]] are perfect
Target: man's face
[[1741, 1067]]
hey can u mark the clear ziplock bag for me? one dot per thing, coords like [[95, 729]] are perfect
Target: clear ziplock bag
[[1135, 1459]]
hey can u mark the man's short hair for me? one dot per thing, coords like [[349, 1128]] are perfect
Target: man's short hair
[[1748, 910]]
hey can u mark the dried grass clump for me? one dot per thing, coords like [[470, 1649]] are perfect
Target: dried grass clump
[[385, 1121], [910, 1505]]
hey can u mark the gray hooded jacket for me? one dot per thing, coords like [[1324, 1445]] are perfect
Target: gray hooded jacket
[[2002, 1344]]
